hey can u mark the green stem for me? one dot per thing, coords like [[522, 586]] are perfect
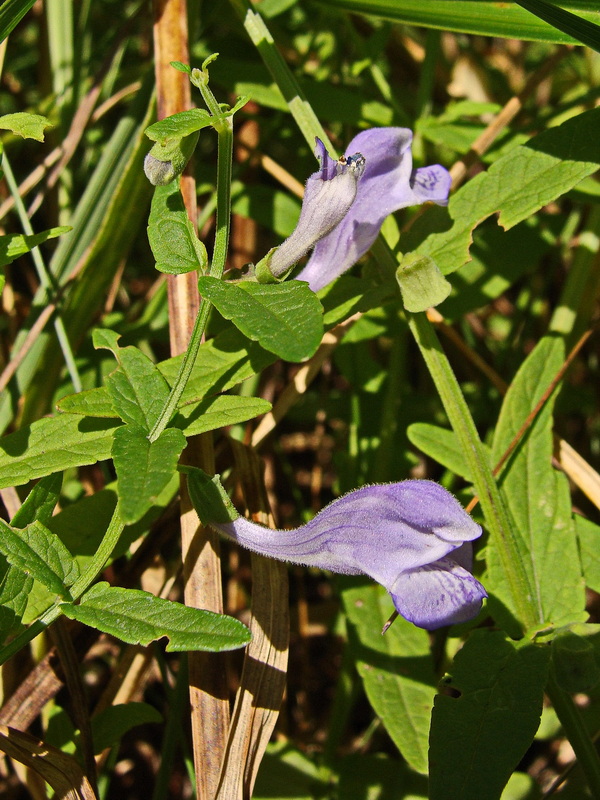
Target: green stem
[[495, 512], [224, 167], [576, 732]]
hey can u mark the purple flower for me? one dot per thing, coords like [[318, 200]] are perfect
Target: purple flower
[[329, 193], [413, 537], [387, 184]]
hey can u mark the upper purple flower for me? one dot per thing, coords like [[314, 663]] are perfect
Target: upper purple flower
[[387, 184], [413, 537]]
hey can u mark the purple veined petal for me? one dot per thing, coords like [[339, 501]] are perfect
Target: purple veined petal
[[431, 184], [437, 594], [388, 184], [381, 531], [328, 196]]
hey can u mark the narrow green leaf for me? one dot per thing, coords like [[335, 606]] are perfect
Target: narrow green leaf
[[441, 445], [52, 445], [37, 552], [11, 13], [13, 245], [137, 390], [143, 467], [174, 243], [112, 723], [577, 27], [517, 185], [396, 670], [29, 126], [179, 125], [484, 17], [285, 318], [138, 617], [486, 717], [538, 495], [40, 502]]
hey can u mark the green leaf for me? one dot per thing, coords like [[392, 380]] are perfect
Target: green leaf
[[483, 17], [517, 185], [37, 552], [537, 495], [138, 617], [208, 496], [53, 444], [174, 243], [40, 502], [285, 318], [486, 717], [441, 445], [143, 467], [112, 723], [13, 245], [575, 660], [396, 670], [11, 13], [580, 29], [89, 403], [29, 126], [137, 390], [179, 125], [15, 588], [421, 283], [218, 412], [588, 534]]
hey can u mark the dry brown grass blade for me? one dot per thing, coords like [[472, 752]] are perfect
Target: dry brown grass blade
[[302, 379], [265, 659], [61, 771]]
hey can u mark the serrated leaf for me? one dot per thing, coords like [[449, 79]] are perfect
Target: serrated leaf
[[29, 126], [468, 16], [112, 723], [218, 412], [537, 495], [179, 125], [13, 245], [40, 502], [479, 735], [174, 243], [137, 390], [138, 617], [396, 670], [517, 185], [37, 552], [143, 467], [285, 318], [53, 444], [15, 588]]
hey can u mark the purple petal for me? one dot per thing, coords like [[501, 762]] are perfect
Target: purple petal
[[388, 184], [382, 531], [438, 594], [328, 196]]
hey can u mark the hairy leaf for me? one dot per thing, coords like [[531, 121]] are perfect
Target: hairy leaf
[[171, 235]]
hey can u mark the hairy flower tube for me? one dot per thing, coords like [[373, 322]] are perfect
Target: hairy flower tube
[[412, 537], [388, 183], [329, 194]]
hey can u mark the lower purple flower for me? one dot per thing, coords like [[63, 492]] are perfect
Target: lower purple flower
[[412, 537]]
